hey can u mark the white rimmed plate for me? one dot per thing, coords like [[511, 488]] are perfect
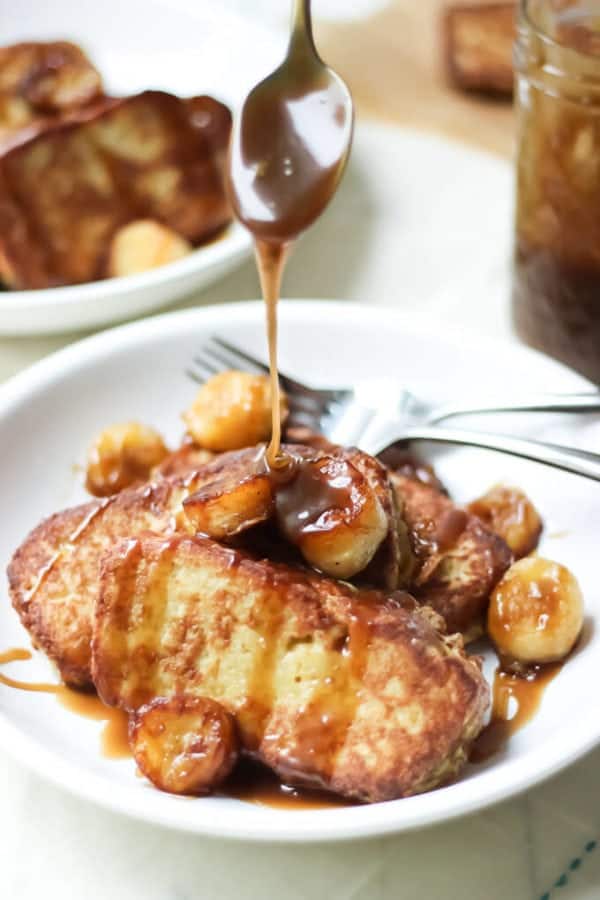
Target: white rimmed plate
[[48, 413], [193, 48]]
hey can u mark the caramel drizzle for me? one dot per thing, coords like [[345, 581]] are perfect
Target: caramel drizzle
[[271, 259], [113, 738], [527, 690], [69, 544]]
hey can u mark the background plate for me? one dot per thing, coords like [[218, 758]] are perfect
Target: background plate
[[210, 51], [49, 413]]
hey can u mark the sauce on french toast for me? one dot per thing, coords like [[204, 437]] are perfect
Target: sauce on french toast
[[73, 539], [311, 489]]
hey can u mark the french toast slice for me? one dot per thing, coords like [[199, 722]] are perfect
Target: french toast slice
[[348, 690], [459, 559], [65, 192], [41, 83], [54, 575], [187, 457], [478, 41]]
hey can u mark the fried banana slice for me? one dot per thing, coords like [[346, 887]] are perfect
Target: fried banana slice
[[337, 507], [510, 513], [224, 508], [121, 455], [331, 513], [459, 560], [184, 745], [144, 244], [351, 691], [53, 576], [394, 562], [232, 410]]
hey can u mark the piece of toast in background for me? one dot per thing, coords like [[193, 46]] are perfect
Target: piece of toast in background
[[65, 192], [478, 45], [40, 84]]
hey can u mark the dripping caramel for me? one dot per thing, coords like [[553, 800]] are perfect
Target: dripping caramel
[[527, 690], [113, 739]]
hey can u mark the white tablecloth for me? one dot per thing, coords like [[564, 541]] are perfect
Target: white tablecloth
[[540, 845]]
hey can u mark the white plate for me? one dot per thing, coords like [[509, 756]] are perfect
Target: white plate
[[47, 416], [194, 48]]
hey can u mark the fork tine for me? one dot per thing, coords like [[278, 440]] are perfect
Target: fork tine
[[194, 376], [238, 355], [231, 360], [288, 384], [208, 365], [211, 361]]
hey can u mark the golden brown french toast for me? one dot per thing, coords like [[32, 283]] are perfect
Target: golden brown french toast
[[478, 43], [184, 459], [459, 559], [41, 83], [65, 192], [348, 690], [53, 576]]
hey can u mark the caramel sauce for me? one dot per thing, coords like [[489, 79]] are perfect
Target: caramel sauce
[[436, 536], [254, 783], [315, 489], [113, 739], [287, 155], [271, 260], [447, 528], [526, 691], [67, 545]]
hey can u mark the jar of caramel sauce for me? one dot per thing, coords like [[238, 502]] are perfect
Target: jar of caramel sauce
[[556, 283]]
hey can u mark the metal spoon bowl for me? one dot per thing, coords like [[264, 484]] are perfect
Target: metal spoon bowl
[[291, 141]]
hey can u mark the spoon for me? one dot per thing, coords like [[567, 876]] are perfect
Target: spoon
[[289, 148], [291, 141]]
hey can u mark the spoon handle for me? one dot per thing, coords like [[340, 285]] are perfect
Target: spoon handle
[[301, 34], [581, 401]]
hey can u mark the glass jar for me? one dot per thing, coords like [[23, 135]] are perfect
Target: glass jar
[[556, 283]]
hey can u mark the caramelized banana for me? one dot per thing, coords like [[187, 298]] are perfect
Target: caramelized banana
[[122, 455], [507, 511], [185, 744], [232, 410], [536, 612], [330, 508], [332, 514], [227, 506]]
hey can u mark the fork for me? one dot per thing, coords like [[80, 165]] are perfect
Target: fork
[[340, 415]]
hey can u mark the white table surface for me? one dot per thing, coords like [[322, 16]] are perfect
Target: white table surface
[[540, 845]]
